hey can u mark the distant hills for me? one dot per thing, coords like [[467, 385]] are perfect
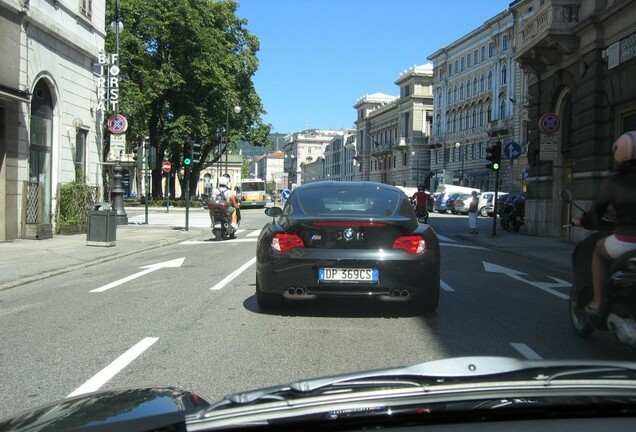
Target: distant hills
[[253, 151]]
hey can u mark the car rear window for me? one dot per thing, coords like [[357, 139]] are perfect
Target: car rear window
[[363, 201]]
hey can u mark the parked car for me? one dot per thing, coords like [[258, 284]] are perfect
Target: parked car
[[347, 239], [441, 203], [462, 203], [486, 202], [501, 200], [451, 202]]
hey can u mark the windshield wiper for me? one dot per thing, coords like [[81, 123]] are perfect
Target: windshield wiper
[[456, 370]]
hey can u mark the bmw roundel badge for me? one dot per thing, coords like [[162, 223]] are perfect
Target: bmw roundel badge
[[348, 234]]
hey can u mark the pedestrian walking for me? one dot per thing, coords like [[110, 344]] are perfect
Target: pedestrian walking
[[472, 213]]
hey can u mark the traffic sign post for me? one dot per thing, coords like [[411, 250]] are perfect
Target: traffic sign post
[[167, 167], [117, 124], [285, 194]]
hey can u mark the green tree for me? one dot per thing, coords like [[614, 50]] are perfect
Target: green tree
[[184, 63]]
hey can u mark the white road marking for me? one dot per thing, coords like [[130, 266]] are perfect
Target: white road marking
[[254, 233], [115, 367], [242, 240], [516, 275], [446, 239], [232, 275], [445, 286], [463, 246], [526, 351], [149, 269]]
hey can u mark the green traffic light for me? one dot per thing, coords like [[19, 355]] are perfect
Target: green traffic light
[[495, 166], [187, 161]]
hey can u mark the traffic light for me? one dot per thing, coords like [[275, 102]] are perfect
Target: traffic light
[[494, 156], [187, 153], [196, 152], [138, 157]]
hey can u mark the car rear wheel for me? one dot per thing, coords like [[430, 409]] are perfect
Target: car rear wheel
[[267, 300], [483, 212]]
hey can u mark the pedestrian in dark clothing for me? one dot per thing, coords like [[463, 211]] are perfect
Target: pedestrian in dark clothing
[[472, 213]]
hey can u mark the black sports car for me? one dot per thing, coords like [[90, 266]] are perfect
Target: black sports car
[[347, 239]]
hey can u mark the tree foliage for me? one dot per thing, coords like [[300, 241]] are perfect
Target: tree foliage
[[184, 64]]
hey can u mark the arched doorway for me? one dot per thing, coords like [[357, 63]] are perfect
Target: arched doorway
[[40, 149]]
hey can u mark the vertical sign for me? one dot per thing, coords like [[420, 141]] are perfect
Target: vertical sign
[[108, 83]]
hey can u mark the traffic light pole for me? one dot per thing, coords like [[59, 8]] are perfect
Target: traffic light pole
[[494, 213], [187, 198], [147, 182]]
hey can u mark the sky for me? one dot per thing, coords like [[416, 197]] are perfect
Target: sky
[[318, 57]]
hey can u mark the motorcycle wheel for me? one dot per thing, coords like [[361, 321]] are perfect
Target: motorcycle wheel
[[580, 322]]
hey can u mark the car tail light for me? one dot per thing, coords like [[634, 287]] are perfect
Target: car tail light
[[282, 242], [412, 244]]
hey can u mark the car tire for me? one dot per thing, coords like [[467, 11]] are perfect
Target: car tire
[[483, 212], [267, 300]]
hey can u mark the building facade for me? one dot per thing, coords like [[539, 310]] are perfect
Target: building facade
[[303, 148], [580, 57], [339, 156], [50, 125], [478, 101], [392, 133]]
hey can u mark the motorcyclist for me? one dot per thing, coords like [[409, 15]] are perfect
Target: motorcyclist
[[224, 190], [620, 192], [420, 198]]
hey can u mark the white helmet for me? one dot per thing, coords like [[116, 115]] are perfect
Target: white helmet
[[224, 181]]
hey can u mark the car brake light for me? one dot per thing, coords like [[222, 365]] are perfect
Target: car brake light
[[412, 244], [282, 242]]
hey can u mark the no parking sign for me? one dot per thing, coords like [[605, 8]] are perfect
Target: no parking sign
[[549, 123]]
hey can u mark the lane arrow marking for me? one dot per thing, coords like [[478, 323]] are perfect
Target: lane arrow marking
[[516, 275], [148, 269]]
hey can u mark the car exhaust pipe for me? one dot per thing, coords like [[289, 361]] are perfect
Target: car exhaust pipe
[[395, 293], [300, 291], [291, 291], [404, 293]]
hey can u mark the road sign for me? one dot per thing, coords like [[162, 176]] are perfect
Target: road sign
[[117, 124], [512, 150], [166, 166], [285, 194], [549, 123]]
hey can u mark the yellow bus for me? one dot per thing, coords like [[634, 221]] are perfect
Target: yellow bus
[[252, 193]]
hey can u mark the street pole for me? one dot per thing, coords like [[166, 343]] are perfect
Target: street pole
[[168, 193], [494, 213], [187, 198], [147, 178]]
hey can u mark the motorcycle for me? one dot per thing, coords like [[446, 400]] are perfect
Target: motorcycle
[[618, 311], [513, 213], [222, 219], [421, 214]]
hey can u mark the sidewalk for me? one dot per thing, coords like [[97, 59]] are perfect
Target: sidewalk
[[551, 251], [25, 261]]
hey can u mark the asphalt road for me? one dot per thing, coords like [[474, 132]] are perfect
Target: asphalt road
[[196, 324]]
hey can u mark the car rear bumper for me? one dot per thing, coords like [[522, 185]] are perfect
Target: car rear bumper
[[402, 276]]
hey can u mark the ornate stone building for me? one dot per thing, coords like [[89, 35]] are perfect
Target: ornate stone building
[[580, 56], [393, 132]]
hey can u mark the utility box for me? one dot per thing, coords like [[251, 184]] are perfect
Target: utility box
[[102, 225]]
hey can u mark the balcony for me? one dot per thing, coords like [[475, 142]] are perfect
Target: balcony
[[546, 36]]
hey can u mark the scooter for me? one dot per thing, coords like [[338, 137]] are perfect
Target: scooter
[[513, 214], [618, 311], [421, 214], [222, 219]]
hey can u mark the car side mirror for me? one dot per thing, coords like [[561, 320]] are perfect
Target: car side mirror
[[565, 195], [273, 212]]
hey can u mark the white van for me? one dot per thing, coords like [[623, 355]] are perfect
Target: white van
[[486, 200]]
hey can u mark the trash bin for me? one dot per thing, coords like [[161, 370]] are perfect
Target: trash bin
[[102, 225]]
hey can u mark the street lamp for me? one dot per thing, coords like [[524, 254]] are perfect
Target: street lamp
[[237, 109], [461, 158], [417, 170]]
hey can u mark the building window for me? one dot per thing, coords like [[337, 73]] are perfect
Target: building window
[[468, 58], [86, 8], [491, 49], [456, 66], [475, 89], [475, 57], [461, 91], [439, 98], [450, 69], [502, 109], [468, 88], [503, 75], [80, 154], [462, 64], [467, 124], [455, 93], [489, 113], [461, 120], [482, 83], [483, 53], [474, 118], [481, 116], [490, 80], [504, 42], [448, 96]]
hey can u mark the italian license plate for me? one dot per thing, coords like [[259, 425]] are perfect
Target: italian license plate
[[348, 275]]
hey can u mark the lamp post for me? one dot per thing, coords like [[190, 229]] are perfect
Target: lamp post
[[461, 158], [417, 170], [118, 190], [237, 109]]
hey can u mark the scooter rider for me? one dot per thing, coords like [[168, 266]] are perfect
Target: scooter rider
[[224, 190], [420, 198], [620, 192]]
